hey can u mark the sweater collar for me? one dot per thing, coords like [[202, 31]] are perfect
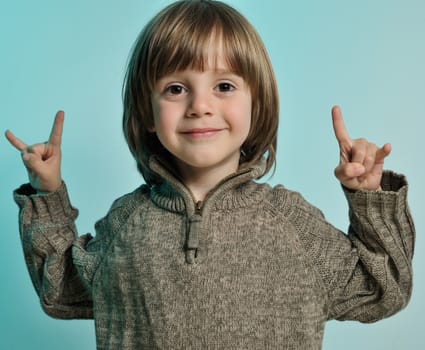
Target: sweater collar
[[171, 194]]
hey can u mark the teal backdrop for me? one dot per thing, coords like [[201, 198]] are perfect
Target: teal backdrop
[[368, 56]]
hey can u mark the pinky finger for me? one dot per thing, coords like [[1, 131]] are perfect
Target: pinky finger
[[382, 153]]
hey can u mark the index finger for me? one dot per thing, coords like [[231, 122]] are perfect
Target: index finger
[[55, 137], [340, 131], [17, 143]]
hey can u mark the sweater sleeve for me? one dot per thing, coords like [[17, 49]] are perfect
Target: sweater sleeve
[[47, 231], [367, 273], [382, 235]]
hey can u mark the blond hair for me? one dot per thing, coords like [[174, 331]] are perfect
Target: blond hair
[[177, 38]]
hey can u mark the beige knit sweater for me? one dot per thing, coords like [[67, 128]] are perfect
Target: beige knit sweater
[[255, 268]]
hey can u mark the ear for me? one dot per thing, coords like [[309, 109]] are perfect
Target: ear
[[151, 129]]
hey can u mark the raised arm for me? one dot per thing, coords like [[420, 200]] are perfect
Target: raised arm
[[373, 269], [47, 229]]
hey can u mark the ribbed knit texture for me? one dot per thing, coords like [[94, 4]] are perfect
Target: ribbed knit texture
[[257, 268]]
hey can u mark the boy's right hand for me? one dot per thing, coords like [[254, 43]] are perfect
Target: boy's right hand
[[43, 160]]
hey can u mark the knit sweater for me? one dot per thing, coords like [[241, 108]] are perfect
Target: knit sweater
[[254, 267]]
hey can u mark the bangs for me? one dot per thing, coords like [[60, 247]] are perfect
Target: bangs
[[194, 35]]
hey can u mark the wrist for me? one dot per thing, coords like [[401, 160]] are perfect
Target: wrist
[[54, 187]]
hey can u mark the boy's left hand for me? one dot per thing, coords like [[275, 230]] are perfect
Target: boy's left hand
[[361, 162]]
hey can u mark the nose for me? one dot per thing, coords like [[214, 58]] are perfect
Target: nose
[[200, 104]]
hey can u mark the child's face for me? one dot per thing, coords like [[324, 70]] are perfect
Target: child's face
[[203, 117]]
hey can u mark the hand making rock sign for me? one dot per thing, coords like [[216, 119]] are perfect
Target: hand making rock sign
[[43, 160], [361, 162]]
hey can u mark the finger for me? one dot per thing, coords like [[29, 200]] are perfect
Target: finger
[[379, 160], [370, 158], [359, 151], [382, 153], [31, 161], [17, 143], [340, 131], [39, 149], [349, 171], [55, 138]]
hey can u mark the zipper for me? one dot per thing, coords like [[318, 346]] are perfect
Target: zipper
[[195, 222], [198, 211], [200, 204]]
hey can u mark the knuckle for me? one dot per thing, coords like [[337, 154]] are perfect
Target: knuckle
[[346, 172], [336, 172], [370, 159], [341, 172], [360, 153]]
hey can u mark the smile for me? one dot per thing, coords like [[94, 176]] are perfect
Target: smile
[[201, 132]]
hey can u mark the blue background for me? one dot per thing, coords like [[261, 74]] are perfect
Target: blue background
[[367, 56]]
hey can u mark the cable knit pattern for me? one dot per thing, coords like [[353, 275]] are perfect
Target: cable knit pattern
[[255, 267]]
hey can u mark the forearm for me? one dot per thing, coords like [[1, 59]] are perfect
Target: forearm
[[47, 232], [382, 232]]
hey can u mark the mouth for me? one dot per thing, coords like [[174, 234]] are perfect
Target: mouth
[[201, 132]]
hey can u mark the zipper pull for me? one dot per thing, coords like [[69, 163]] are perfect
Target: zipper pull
[[192, 239]]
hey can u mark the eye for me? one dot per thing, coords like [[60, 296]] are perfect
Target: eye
[[225, 87], [175, 89]]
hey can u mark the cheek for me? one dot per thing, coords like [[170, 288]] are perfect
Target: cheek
[[248, 115], [242, 116], [163, 117]]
